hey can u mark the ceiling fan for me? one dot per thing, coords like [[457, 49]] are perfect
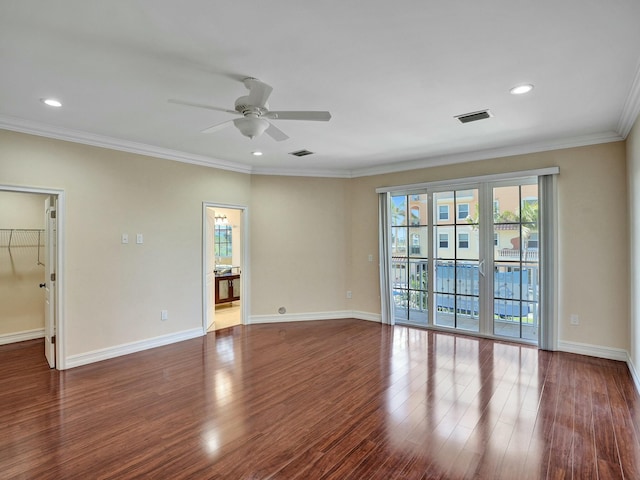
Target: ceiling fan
[[254, 110]]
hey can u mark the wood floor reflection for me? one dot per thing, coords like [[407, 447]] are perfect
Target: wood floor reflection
[[333, 399]]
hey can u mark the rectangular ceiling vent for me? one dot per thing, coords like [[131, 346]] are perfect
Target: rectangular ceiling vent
[[474, 116], [301, 153]]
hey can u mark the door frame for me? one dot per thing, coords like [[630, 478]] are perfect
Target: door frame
[[244, 255], [59, 318]]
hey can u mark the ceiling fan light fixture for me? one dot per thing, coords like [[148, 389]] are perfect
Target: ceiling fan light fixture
[[251, 126], [521, 89]]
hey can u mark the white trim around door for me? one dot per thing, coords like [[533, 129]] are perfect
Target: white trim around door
[[245, 273], [59, 320]]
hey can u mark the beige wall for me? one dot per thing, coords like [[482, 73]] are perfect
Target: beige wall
[[593, 235], [633, 176], [22, 210], [21, 298], [115, 292], [299, 236], [309, 237]]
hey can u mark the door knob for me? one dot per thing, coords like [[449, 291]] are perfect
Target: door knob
[[42, 285]]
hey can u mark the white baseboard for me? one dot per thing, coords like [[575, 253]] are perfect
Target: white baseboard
[[371, 317], [133, 347], [307, 317], [594, 350], [25, 335], [634, 373]]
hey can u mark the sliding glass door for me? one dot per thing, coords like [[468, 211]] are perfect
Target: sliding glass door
[[409, 258], [516, 278], [457, 259], [466, 258]]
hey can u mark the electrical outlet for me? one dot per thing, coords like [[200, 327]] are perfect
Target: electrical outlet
[[574, 319], [349, 294], [139, 239], [370, 258], [164, 315], [125, 238]]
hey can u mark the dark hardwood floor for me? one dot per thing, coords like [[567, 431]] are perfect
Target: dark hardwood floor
[[320, 400]]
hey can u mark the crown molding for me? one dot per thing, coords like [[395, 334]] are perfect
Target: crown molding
[[631, 109], [605, 137], [76, 136], [302, 173]]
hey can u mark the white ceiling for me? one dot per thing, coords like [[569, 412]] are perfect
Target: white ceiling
[[392, 74]]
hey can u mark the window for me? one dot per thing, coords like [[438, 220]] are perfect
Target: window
[[222, 241], [443, 212], [415, 215], [496, 243], [415, 244], [463, 211], [463, 240], [443, 240]]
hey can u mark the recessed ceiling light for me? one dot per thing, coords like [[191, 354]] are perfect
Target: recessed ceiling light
[[52, 102], [521, 89], [256, 153]]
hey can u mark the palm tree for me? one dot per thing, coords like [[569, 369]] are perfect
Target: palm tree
[[529, 222]]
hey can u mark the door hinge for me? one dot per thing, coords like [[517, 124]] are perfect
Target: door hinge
[[53, 339], [53, 214], [53, 277]]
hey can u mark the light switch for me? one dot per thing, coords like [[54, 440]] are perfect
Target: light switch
[[139, 238], [125, 238]]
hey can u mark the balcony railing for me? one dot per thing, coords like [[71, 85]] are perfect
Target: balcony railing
[[514, 254]]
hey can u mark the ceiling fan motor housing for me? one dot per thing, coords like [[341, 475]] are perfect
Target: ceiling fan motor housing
[[243, 106]]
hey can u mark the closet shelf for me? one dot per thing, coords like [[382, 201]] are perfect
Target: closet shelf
[[23, 239]]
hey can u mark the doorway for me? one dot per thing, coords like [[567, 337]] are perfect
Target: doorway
[[49, 248], [224, 262]]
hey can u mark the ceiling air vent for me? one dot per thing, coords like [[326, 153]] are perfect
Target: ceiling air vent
[[474, 116], [301, 153]]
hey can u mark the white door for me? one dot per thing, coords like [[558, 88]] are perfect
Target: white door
[[50, 235], [210, 264]]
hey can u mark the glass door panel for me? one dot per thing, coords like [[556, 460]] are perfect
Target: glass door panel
[[457, 278], [515, 267], [409, 265]]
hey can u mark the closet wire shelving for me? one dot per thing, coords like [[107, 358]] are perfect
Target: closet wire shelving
[[23, 240]]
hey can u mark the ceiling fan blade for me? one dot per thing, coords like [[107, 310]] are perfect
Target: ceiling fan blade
[[299, 115], [200, 105], [258, 91], [275, 133], [217, 126]]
